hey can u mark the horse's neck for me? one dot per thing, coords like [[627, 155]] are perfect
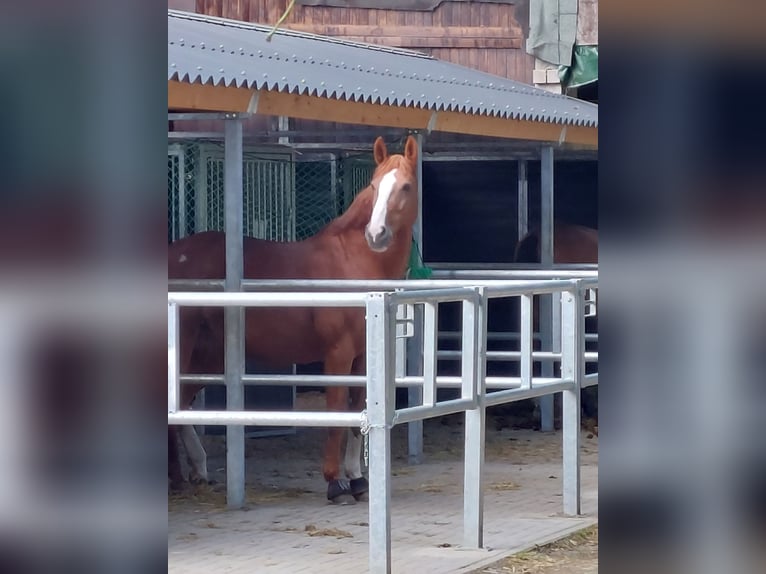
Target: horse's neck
[[349, 228]]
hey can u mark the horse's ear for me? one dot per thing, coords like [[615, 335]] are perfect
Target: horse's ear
[[411, 149], [379, 151]]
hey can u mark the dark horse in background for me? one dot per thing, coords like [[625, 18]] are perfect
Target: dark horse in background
[[571, 244], [371, 240]]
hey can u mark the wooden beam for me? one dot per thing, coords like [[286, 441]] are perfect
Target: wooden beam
[[456, 122], [184, 96], [420, 36], [444, 42], [199, 97], [408, 31]]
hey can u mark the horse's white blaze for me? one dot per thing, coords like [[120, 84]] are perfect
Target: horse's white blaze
[[380, 209], [195, 451], [353, 455]]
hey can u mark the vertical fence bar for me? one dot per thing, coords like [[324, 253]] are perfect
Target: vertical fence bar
[[473, 359], [174, 370], [546, 258], [572, 366], [430, 347], [413, 350], [556, 323], [380, 410], [525, 332], [234, 316]]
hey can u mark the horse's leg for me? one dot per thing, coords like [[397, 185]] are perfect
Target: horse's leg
[[352, 460], [189, 333], [196, 455], [338, 490], [175, 476]]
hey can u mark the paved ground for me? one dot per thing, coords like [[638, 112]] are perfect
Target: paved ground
[[289, 527]]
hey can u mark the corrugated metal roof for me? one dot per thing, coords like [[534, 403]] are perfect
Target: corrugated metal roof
[[209, 50]]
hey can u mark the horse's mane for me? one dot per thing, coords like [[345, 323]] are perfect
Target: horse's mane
[[356, 216]]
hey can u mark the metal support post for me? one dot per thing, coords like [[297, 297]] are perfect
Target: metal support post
[[380, 410], [572, 367], [546, 258], [415, 343], [522, 200], [234, 316], [474, 365]]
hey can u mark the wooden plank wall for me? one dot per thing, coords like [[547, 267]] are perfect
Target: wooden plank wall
[[485, 36], [454, 32]]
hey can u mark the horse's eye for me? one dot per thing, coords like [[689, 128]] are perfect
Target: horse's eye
[[406, 187]]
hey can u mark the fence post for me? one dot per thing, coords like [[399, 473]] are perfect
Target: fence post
[[380, 410], [413, 365], [474, 364], [572, 367], [174, 371], [234, 318]]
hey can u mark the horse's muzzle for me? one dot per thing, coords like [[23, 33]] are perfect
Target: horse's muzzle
[[380, 240]]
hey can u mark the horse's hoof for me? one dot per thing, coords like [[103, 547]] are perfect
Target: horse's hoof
[[339, 492], [175, 487], [360, 489], [343, 500]]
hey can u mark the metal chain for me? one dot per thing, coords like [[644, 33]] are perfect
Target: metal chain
[[364, 428]]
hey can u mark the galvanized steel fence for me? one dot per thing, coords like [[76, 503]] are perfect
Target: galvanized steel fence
[[389, 317]]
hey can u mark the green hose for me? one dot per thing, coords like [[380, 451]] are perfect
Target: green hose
[[416, 269]]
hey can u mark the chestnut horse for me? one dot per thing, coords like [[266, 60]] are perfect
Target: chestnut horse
[[371, 240], [571, 244]]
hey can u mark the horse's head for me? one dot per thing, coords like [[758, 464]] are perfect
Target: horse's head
[[395, 194]]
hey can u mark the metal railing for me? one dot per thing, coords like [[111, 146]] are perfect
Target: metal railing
[[389, 319]]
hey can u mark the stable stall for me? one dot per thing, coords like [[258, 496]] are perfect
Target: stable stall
[[232, 71]]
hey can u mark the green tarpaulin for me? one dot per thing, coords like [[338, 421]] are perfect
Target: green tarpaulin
[[584, 68]]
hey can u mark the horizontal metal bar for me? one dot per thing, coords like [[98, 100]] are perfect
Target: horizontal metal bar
[[538, 284], [266, 418], [590, 357], [444, 295], [440, 409], [391, 284], [181, 135], [442, 382], [504, 270], [590, 380], [237, 299], [517, 288], [505, 355], [500, 336], [511, 395], [195, 284], [452, 382], [190, 116], [283, 380]]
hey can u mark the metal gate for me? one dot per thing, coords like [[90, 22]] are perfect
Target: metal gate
[[196, 199]]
